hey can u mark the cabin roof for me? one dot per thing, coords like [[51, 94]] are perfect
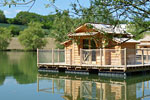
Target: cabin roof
[[146, 38], [119, 29], [144, 44], [67, 41], [120, 40], [83, 34]]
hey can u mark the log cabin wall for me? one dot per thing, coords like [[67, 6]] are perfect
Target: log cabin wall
[[131, 52]]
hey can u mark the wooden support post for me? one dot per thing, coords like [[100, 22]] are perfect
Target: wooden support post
[[81, 56], [100, 57], [53, 56], [142, 57], [65, 56], [147, 56], [120, 56], [58, 55], [70, 56], [37, 57], [90, 56], [125, 59]]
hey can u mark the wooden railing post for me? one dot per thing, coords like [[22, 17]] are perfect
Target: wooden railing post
[[58, 55], [81, 56], [70, 56], [125, 59], [52, 55], [142, 57], [37, 57]]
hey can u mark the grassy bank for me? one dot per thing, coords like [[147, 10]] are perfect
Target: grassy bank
[[15, 44]]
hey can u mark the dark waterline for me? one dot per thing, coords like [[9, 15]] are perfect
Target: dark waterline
[[20, 80]]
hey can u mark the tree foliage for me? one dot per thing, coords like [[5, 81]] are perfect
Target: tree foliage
[[14, 30], [61, 26], [2, 17], [33, 37], [5, 37], [135, 11]]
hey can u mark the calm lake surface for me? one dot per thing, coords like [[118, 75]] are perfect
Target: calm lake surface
[[20, 80]]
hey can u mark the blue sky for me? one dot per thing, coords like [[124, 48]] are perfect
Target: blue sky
[[39, 7]]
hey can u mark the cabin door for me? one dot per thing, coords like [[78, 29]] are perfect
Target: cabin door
[[89, 56]]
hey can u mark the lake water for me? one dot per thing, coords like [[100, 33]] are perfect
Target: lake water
[[20, 80]]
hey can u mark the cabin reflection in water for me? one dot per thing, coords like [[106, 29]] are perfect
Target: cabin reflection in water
[[76, 88]]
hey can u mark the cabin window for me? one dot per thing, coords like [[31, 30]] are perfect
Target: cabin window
[[85, 44], [93, 46]]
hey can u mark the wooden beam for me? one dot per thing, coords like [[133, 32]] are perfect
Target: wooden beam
[[65, 55], [125, 59], [70, 56], [142, 57], [80, 56], [101, 57], [147, 56], [52, 55], [90, 57], [58, 55]]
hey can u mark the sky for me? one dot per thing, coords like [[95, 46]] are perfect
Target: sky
[[39, 7]]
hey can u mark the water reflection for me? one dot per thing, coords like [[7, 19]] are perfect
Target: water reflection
[[19, 65], [74, 87]]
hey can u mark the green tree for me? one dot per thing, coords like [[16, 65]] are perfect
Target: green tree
[[14, 30], [61, 26], [2, 17], [33, 37], [27, 17], [5, 37]]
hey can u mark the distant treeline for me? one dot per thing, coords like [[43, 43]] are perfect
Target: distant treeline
[[23, 18]]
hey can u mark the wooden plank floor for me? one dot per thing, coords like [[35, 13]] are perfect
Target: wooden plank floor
[[111, 68]]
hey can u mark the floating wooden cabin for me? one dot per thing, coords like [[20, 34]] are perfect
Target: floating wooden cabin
[[98, 47], [100, 36], [145, 42]]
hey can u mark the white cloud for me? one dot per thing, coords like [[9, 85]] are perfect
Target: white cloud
[[7, 12], [11, 12]]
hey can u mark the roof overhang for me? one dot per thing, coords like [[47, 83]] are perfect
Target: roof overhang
[[144, 44], [82, 34], [103, 28], [66, 42], [126, 40]]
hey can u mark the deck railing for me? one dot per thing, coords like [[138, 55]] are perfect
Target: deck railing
[[96, 57], [51, 56]]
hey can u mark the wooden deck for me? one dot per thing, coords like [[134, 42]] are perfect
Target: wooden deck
[[140, 62], [128, 68]]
